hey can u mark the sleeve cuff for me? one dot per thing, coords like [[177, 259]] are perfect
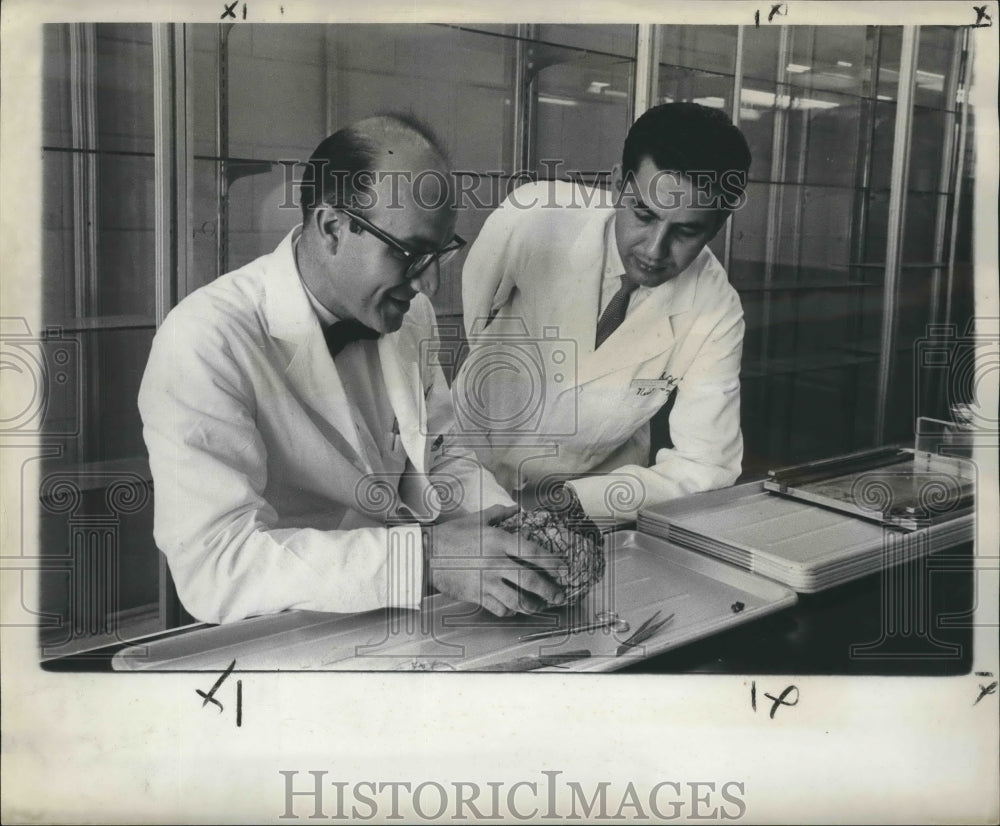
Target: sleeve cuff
[[617, 497]]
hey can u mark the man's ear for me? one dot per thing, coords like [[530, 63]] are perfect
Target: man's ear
[[329, 226], [616, 177]]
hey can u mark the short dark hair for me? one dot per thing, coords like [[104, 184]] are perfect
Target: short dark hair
[[344, 163], [335, 169], [689, 138]]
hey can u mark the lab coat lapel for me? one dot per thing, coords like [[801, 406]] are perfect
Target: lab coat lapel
[[581, 288], [399, 356], [645, 333], [310, 370]]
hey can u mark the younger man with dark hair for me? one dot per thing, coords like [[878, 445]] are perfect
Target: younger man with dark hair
[[643, 308]]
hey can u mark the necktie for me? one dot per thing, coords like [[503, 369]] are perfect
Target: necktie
[[341, 333], [614, 313]]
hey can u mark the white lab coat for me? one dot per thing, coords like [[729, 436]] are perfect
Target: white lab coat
[[264, 498], [537, 266]]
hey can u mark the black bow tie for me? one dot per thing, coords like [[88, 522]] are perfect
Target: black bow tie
[[341, 333]]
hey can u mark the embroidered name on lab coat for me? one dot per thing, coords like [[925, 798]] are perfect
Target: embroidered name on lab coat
[[665, 383]]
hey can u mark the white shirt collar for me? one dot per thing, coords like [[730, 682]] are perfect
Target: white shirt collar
[[613, 266]]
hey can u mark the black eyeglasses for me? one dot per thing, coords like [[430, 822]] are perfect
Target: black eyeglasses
[[416, 262]]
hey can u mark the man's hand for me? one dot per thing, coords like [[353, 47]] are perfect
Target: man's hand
[[475, 562]]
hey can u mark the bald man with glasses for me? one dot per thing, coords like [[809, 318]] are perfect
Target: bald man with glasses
[[299, 444]]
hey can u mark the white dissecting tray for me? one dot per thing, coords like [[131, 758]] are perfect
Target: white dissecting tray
[[803, 545], [644, 574]]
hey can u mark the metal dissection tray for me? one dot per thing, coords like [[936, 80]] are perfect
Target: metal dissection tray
[[899, 487]]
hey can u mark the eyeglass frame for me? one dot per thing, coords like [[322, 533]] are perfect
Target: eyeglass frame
[[412, 258]]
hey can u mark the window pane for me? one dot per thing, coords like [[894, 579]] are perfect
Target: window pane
[[583, 108], [831, 58], [99, 293], [614, 39], [824, 133], [705, 48], [58, 282], [808, 250], [678, 84], [760, 52], [119, 357], [890, 48], [125, 87], [56, 104], [317, 79], [100, 262], [126, 283], [936, 66], [259, 217]]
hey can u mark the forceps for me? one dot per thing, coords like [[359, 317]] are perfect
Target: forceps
[[603, 619], [645, 631]]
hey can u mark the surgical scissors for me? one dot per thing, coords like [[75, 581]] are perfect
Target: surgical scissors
[[603, 619]]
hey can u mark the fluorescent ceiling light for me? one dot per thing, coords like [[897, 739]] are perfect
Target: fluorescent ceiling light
[[845, 64], [758, 97], [749, 114], [712, 102], [813, 103], [556, 101], [599, 87], [797, 68], [930, 80]]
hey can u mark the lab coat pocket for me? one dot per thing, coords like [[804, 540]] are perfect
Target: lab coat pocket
[[630, 411]]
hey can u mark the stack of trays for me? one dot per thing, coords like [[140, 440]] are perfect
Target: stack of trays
[[804, 546]]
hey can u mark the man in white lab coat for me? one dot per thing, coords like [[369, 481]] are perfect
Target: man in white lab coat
[[587, 310], [300, 444]]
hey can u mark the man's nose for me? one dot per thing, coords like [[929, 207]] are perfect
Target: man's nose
[[428, 281], [658, 241]]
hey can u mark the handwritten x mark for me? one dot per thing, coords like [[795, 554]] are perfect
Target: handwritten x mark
[[982, 15], [775, 9], [229, 10], [781, 701], [210, 697], [985, 690]]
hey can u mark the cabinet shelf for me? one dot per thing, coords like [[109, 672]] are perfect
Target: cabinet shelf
[[801, 286], [787, 366]]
